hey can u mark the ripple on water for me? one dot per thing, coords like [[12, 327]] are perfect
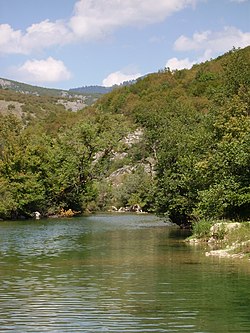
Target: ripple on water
[[115, 274]]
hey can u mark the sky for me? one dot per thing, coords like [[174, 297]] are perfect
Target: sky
[[72, 43]]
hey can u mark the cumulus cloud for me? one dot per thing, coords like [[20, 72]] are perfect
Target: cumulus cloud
[[175, 63], [214, 42], [10, 40], [97, 18], [41, 71], [206, 45], [118, 78], [45, 34], [90, 20], [36, 37]]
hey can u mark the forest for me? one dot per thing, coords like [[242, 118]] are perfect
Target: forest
[[175, 143]]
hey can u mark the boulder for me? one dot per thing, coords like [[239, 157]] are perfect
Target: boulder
[[223, 227]]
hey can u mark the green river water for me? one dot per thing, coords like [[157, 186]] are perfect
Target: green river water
[[116, 273]]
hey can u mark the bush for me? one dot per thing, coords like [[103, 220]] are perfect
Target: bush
[[201, 228]]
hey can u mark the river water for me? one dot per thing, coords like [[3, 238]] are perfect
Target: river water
[[116, 273]]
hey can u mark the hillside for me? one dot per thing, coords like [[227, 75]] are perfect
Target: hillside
[[41, 91], [29, 102], [20, 98], [175, 143], [196, 127], [29, 89]]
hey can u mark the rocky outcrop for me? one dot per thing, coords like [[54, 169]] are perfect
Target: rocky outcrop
[[129, 209], [7, 107], [5, 83], [220, 240], [218, 229], [236, 250], [134, 137], [74, 105]]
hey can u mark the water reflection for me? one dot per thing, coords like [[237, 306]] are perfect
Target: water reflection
[[115, 274]]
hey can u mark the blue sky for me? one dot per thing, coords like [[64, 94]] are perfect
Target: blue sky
[[71, 43]]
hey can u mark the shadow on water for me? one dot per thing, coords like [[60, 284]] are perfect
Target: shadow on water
[[116, 273]]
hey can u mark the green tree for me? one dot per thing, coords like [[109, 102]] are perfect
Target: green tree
[[22, 189], [227, 164]]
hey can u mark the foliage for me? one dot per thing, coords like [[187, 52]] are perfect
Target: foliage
[[196, 139], [135, 189], [54, 171], [10, 87], [201, 228], [240, 235], [21, 170]]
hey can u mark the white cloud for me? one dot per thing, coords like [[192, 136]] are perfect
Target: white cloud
[[9, 39], [45, 34], [175, 63], [36, 37], [97, 18], [214, 42], [118, 78], [38, 71], [208, 44], [90, 20]]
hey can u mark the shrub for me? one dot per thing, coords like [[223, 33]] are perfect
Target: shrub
[[201, 228]]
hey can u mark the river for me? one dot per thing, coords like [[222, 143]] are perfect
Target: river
[[116, 273]]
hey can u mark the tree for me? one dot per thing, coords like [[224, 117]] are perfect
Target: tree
[[22, 188], [227, 164]]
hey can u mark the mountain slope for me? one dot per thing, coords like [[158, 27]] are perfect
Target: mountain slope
[[196, 128], [29, 102], [188, 157]]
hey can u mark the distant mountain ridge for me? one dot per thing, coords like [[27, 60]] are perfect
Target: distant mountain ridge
[[30, 89], [22, 99], [89, 95], [25, 88], [92, 90], [96, 89]]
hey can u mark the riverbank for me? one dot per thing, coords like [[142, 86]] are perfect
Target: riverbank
[[226, 239]]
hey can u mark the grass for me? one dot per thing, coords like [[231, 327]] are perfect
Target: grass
[[235, 241], [240, 239], [201, 229]]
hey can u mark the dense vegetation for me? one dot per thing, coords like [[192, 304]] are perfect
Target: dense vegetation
[[8, 88], [190, 162]]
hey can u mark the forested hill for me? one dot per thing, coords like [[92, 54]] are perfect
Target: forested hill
[[28, 89], [197, 128], [92, 89], [28, 101], [175, 143], [100, 89]]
